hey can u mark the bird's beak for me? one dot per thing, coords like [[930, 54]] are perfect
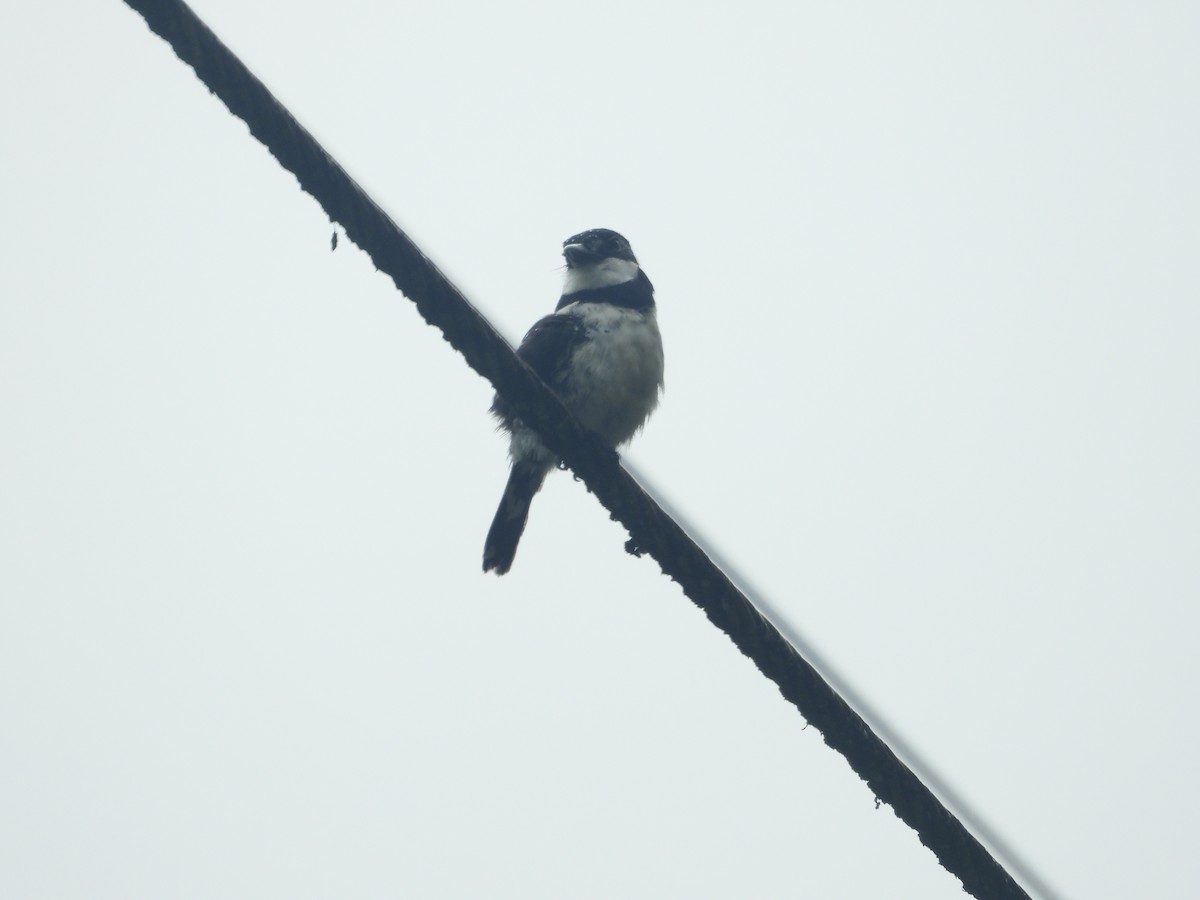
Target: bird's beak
[[578, 255]]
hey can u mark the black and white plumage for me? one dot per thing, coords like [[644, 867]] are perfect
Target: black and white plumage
[[601, 352]]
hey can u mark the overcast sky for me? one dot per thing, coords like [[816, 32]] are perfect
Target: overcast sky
[[927, 279]]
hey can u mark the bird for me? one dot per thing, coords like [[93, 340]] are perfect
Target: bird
[[601, 352]]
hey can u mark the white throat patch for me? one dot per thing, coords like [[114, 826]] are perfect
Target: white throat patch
[[606, 273]]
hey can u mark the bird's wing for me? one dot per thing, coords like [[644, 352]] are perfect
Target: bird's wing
[[549, 345], [547, 348]]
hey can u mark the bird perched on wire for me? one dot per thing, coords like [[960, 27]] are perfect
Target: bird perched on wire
[[600, 352]]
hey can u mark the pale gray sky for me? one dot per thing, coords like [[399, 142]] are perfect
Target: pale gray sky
[[928, 286]]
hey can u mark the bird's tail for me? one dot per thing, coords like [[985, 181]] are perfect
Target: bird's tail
[[501, 546]]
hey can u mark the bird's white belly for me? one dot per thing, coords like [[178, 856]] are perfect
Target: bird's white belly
[[617, 374]]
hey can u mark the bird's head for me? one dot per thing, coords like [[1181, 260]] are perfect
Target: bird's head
[[598, 258]]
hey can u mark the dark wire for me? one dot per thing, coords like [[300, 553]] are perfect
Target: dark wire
[[651, 530]]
